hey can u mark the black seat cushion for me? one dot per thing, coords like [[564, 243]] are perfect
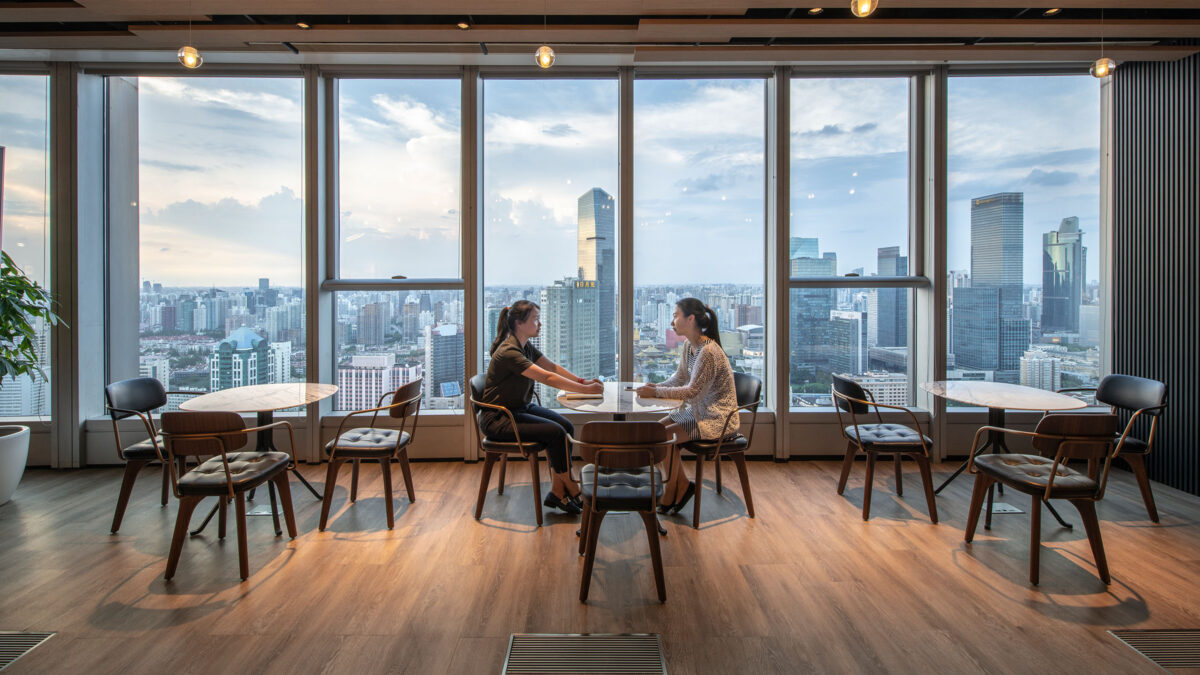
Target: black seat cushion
[[708, 448], [624, 489], [511, 446], [1134, 446], [247, 469], [368, 442], [140, 451], [1031, 473], [888, 437]]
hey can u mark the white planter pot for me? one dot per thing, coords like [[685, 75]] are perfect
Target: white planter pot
[[14, 450]]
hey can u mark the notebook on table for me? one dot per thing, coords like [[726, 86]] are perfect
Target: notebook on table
[[573, 396]]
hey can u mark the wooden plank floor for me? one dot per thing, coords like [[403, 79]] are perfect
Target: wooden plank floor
[[807, 586]]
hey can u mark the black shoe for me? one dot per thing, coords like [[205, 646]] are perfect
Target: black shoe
[[687, 497], [577, 500], [555, 502]]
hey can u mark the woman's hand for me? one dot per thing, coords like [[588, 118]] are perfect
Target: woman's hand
[[593, 386], [647, 390]]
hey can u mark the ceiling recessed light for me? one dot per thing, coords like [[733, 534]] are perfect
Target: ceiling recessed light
[[463, 25], [301, 24], [816, 10], [1052, 11]]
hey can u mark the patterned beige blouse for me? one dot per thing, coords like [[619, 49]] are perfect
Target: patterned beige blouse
[[705, 380]]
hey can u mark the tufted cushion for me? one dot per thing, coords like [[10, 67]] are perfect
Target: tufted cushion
[[737, 443], [1030, 473], [627, 489], [888, 436], [368, 442], [248, 469], [142, 450], [1134, 446], [511, 446]]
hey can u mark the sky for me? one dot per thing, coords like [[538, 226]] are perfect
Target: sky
[[221, 173]]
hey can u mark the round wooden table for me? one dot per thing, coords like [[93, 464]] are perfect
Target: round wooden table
[[618, 400]]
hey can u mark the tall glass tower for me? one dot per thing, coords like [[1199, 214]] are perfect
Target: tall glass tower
[[1062, 277], [597, 262]]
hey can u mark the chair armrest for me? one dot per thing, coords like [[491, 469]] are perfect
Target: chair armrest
[[975, 442], [188, 393], [1066, 389], [512, 420], [911, 415], [280, 423], [220, 439], [146, 422]]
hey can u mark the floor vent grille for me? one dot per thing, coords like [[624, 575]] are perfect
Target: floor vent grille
[[14, 645], [1166, 648], [584, 653]]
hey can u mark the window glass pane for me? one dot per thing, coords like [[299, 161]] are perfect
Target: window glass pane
[[399, 178], [25, 220], [699, 181], [1024, 218], [850, 173], [840, 332], [387, 338], [221, 226], [550, 186]]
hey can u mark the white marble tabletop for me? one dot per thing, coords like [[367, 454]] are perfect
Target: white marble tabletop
[[1001, 395], [261, 397], [619, 399]]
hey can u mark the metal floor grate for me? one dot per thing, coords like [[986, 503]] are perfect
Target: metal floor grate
[[1166, 648], [584, 653], [14, 645]]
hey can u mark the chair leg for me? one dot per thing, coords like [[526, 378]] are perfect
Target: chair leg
[[354, 482], [739, 460], [717, 464], [589, 556], [166, 482], [131, 472], [583, 525], [982, 483], [239, 504], [331, 474], [503, 471], [987, 516], [897, 459], [1035, 539], [867, 486], [489, 459], [848, 462], [536, 473], [407, 471], [222, 516], [385, 466], [1138, 465], [186, 506], [1087, 513], [927, 482], [651, 523], [699, 490], [285, 501]]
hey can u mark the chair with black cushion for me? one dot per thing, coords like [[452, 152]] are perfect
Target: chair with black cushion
[[375, 443], [749, 395], [1059, 438], [1133, 396], [140, 397], [880, 438], [620, 475], [498, 451], [228, 474]]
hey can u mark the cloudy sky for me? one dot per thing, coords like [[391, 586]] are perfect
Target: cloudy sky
[[221, 173]]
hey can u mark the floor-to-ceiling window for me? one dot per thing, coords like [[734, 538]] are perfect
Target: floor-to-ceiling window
[[1023, 212], [25, 218]]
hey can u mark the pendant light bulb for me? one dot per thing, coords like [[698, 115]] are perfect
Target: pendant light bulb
[[544, 56], [1103, 67], [863, 8], [190, 57]]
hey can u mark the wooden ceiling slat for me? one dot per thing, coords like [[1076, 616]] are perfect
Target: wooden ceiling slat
[[721, 30], [915, 54]]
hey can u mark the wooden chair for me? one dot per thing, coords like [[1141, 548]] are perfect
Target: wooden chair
[[1060, 437], [140, 397], [749, 394], [494, 450], [373, 443], [1133, 396], [227, 475], [878, 438], [620, 475]]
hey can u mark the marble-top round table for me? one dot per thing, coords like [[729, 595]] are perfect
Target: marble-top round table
[[619, 399]]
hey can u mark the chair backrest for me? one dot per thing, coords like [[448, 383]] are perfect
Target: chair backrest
[[142, 394], [1132, 393], [748, 388], [849, 388], [412, 390], [1089, 436], [228, 425], [623, 445], [476, 383]]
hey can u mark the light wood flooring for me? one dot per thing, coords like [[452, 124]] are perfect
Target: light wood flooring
[[807, 586]]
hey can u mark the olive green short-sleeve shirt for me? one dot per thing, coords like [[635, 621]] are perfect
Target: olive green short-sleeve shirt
[[505, 385]]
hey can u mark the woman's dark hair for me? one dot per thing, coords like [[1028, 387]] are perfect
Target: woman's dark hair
[[509, 316], [706, 318]]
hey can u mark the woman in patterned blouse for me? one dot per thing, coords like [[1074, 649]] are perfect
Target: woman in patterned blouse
[[705, 381]]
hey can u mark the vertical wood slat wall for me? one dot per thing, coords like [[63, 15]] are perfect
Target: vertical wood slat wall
[[1156, 251]]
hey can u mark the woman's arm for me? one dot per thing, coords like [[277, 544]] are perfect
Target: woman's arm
[[681, 374], [553, 379], [552, 367], [701, 378]]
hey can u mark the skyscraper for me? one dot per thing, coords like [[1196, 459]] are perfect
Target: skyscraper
[[809, 309], [597, 262], [803, 247], [372, 323], [239, 360], [997, 239], [892, 319], [443, 360], [569, 320], [1062, 277], [848, 342]]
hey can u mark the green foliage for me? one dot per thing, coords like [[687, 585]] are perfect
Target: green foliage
[[22, 301]]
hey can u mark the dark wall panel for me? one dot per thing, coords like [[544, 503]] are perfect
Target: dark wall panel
[[1156, 250]]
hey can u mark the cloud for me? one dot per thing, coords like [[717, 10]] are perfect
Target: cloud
[[827, 130], [236, 96], [703, 184], [170, 166], [1038, 178], [560, 129]]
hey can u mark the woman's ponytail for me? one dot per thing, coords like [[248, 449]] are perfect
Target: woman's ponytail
[[713, 329], [706, 318]]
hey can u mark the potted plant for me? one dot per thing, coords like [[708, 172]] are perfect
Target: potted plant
[[22, 303]]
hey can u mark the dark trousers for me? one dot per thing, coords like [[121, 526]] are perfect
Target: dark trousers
[[536, 424]]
